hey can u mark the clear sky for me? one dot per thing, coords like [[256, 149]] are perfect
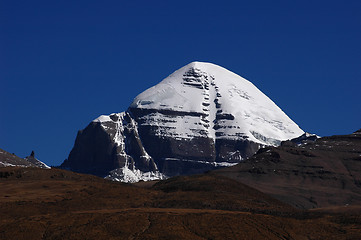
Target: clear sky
[[64, 63]]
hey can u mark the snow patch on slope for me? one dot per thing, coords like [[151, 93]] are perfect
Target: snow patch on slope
[[37, 162], [103, 118], [4, 164], [131, 176]]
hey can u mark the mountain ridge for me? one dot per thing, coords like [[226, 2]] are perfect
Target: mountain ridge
[[313, 173], [11, 160]]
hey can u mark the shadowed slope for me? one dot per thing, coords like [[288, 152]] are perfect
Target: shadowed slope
[[323, 173]]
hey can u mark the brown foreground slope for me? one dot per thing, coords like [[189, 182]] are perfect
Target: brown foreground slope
[[57, 204], [323, 173]]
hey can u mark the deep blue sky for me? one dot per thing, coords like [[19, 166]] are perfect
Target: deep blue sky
[[64, 63]]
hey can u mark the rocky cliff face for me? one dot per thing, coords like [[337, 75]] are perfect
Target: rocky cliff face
[[112, 143], [199, 118]]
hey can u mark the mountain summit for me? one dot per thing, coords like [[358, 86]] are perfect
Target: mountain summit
[[223, 106], [200, 117]]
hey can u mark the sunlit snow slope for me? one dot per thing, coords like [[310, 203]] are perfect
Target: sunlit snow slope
[[224, 104]]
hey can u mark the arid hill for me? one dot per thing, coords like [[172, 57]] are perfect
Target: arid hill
[[57, 204], [311, 174]]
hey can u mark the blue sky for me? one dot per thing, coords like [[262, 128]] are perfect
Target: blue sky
[[64, 63]]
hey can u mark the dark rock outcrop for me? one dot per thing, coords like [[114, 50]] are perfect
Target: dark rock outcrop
[[96, 150], [104, 146], [93, 152]]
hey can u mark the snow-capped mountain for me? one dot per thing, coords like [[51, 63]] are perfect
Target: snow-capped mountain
[[200, 117]]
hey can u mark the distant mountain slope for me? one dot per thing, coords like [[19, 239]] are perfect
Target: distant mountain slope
[[32, 159], [321, 173], [11, 160], [199, 118]]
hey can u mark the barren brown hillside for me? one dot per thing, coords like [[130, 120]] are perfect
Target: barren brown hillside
[[57, 204], [313, 174]]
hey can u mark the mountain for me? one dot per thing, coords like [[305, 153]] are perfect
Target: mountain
[[199, 118], [314, 173], [11, 160]]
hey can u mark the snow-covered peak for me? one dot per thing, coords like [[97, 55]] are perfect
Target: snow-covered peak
[[199, 118], [179, 91], [228, 105]]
